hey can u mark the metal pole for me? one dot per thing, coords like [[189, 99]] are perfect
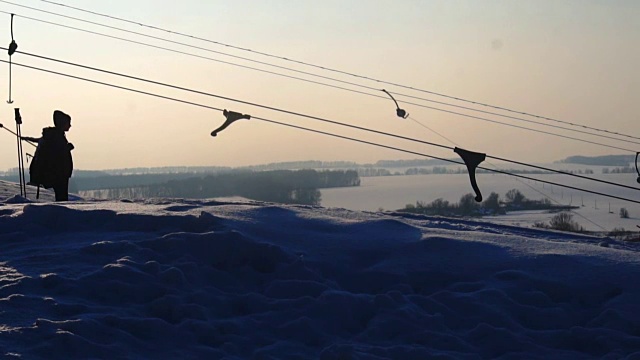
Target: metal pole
[[19, 172], [23, 185]]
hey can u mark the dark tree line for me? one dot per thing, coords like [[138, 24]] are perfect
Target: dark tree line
[[606, 160], [492, 205], [563, 222], [282, 186], [370, 172], [462, 170], [83, 183], [619, 170], [407, 163]]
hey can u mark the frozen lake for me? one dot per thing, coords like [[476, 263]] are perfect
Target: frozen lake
[[394, 192]]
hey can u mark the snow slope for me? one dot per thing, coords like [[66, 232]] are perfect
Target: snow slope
[[181, 279]]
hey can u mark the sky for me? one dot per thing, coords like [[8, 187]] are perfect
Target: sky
[[231, 279], [574, 61]]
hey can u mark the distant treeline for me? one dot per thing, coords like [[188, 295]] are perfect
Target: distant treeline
[[282, 186], [84, 180], [606, 160], [301, 165], [439, 170], [153, 170], [312, 164], [492, 205], [79, 183], [136, 171], [414, 162], [463, 170], [288, 165], [619, 170], [122, 181]]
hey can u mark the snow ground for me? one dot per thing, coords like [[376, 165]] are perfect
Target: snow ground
[[183, 279]]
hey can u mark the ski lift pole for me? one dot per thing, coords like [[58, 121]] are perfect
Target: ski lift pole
[[20, 151], [19, 162], [23, 182]]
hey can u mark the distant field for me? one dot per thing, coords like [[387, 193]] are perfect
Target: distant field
[[394, 192]]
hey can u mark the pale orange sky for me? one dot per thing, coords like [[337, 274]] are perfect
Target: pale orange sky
[[571, 60]]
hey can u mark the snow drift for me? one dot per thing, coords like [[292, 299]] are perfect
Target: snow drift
[[236, 280]]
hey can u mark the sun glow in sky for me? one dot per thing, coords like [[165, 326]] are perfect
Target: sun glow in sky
[[574, 61]]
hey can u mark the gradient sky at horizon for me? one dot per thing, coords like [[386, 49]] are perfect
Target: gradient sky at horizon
[[575, 61]]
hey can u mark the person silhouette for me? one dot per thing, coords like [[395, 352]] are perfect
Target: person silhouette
[[52, 163]]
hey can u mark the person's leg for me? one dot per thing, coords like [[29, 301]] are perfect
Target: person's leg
[[62, 191]]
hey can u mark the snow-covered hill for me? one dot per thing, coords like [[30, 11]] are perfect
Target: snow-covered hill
[[181, 279], [9, 190]]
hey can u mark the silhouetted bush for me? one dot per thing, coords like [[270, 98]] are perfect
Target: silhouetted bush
[[515, 197], [468, 205], [618, 232], [564, 222], [492, 204], [624, 213]]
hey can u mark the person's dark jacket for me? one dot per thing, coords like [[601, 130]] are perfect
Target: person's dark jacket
[[52, 163]]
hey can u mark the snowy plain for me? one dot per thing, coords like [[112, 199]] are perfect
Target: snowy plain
[[595, 212], [213, 279]]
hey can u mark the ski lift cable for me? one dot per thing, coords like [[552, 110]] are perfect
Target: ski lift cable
[[366, 142], [443, 159], [314, 118], [197, 56], [11, 50], [369, 94], [295, 70], [321, 132], [515, 178], [558, 202], [501, 108], [432, 130]]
